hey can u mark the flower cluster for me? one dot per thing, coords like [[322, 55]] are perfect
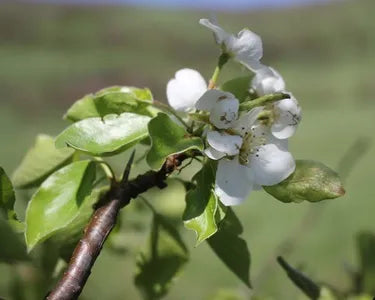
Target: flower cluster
[[251, 146]]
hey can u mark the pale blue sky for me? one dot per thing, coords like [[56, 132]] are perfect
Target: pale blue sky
[[203, 4]]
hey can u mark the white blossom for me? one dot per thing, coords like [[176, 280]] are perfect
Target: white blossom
[[286, 117], [246, 47], [222, 144], [286, 113], [259, 159], [184, 90], [223, 107], [267, 81]]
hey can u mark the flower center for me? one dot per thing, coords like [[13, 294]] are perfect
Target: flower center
[[267, 116], [228, 117], [251, 144]]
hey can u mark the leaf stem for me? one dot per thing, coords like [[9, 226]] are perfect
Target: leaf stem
[[148, 204], [106, 168]]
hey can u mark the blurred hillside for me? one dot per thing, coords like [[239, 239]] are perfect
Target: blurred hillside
[[52, 55]]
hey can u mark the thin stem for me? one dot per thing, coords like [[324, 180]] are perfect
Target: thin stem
[[214, 78], [106, 168], [148, 204], [223, 59], [250, 104]]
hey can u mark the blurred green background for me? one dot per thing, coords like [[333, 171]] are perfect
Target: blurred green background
[[51, 55]]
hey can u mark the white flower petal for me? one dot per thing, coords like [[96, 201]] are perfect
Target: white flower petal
[[267, 81], [281, 143], [224, 143], [247, 48], [185, 89], [232, 184], [283, 131], [219, 33], [271, 165], [224, 113], [288, 116], [247, 120], [208, 100], [213, 153]]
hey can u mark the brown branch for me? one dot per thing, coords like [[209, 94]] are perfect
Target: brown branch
[[101, 223]]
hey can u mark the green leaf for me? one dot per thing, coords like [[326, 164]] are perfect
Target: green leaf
[[230, 248], [58, 201], [311, 181], [112, 100], [40, 161], [107, 136], [168, 138], [366, 250], [68, 237], [305, 284], [202, 207], [160, 263], [7, 197], [140, 94], [7, 200], [204, 223], [239, 87], [12, 248]]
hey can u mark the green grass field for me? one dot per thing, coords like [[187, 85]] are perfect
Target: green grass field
[[52, 55]]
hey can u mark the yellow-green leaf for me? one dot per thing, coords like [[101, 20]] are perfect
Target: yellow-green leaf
[[112, 100], [202, 212], [7, 201], [239, 87], [167, 137], [107, 136], [40, 161], [59, 201], [311, 181]]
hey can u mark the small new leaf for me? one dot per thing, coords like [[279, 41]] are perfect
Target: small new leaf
[[107, 136], [202, 206], [40, 161], [239, 87], [167, 137], [366, 250], [162, 260], [311, 181], [305, 284], [59, 201], [112, 100], [232, 249]]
